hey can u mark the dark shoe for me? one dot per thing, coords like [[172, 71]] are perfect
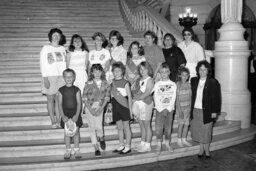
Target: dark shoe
[[200, 155], [125, 152], [118, 151], [208, 156], [97, 153], [102, 144]]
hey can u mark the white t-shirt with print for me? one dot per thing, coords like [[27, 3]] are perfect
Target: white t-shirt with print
[[99, 57]]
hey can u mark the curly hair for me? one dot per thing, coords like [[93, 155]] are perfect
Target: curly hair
[[153, 35], [103, 38], [72, 47], [118, 36], [182, 69], [97, 67], [118, 65], [140, 51], [206, 65], [62, 36]]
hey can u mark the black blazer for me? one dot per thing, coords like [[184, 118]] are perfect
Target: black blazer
[[211, 97]]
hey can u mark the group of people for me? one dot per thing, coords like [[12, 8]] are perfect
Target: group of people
[[138, 83]]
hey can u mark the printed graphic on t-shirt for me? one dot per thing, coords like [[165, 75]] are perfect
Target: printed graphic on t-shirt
[[50, 58], [165, 93], [102, 57], [92, 57], [59, 57]]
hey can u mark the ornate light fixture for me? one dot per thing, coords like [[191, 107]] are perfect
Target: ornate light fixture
[[188, 19]]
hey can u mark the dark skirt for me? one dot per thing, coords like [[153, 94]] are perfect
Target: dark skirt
[[200, 132]]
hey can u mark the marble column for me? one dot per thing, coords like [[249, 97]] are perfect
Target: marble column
[[231, 60]]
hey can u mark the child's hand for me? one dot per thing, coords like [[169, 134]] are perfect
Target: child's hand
[[99, 111], [75, 118], [65, 119], [214, 115]]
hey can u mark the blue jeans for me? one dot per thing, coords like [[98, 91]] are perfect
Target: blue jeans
[[163, 124]]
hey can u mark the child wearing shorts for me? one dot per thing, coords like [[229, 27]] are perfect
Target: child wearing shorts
[[183, 105], [122, 102], [52, 64], [70, 109], [143, 104], [164, 97]]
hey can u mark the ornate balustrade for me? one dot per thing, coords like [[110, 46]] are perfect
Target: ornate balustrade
[[144, 18]]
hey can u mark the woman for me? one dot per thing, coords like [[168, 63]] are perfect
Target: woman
[[52, 65], [173, 55], [205, 104], [192, 50], [153, 53]]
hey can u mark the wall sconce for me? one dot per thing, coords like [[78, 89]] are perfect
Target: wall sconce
[[187, 19]]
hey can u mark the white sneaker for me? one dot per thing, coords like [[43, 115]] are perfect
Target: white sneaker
[[169, 147], [158, 148], [144, 149], [184, 141], [54, 126], [138, 146], [179, 142]]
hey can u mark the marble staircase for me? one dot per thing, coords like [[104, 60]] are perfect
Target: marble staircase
[[27, 141]]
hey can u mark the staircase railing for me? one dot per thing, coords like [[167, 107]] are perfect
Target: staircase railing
[[144, 18]]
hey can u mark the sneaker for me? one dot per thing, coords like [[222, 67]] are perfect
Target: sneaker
[[119, 149], [67, 155], [144, 149], [126, 150], [77, 154], [139, 146], [54, 126], [169, 147], [102, 144], [58, 125], [97, 153], [184, 141], [179, 142]]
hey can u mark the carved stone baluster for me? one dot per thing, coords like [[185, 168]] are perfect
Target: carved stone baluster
[[159, 35], [150, 24], [154, 27], [143, 21], [147, 22]]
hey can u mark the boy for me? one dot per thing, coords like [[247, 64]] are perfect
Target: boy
[[164, 97], [70, 109]]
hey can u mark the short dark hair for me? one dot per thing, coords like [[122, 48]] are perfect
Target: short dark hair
[[146, 65], [140, 52], [206, 65], [182, 69], [152, 34], [165, 65], [118, 65], [62, 36], [72, 47], [69, 70], [189, 30], [174, 43], [97, 67], [103, 38], [118, 36]]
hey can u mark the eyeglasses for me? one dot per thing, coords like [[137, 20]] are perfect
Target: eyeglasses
[[188, 34]]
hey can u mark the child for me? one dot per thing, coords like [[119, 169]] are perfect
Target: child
[[122, 103], [183, 105], [77, 59], [143, 104], [135, 57], [95, 97], [52, 65], [164, 97], [100, 55], [70, 108]]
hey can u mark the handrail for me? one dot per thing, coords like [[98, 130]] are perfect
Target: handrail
[[144, 18]]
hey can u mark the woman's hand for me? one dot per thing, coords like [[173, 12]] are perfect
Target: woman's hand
[[46, 83], [214, 115], [75, 118]]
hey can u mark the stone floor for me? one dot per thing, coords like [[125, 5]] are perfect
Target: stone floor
[[241, 157]]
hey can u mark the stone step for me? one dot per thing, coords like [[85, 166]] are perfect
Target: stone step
[[111, 160], [21, 89], [55, 136], [49, 150]]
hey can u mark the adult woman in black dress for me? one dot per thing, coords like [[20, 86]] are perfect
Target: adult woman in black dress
[[206, 103], [173, 55]]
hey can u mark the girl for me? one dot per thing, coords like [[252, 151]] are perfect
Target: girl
[[135, 57], [70, 108], [95, 97], [52, 64], [117, 50], [143, 104], [121, 107], [77, 59], [183, 105], [100, 55]]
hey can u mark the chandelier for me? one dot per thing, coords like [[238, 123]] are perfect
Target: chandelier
[[187, 19]]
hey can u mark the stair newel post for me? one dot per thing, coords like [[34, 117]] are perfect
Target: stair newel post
[[147, 22], [159, 35], [150, 24]]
